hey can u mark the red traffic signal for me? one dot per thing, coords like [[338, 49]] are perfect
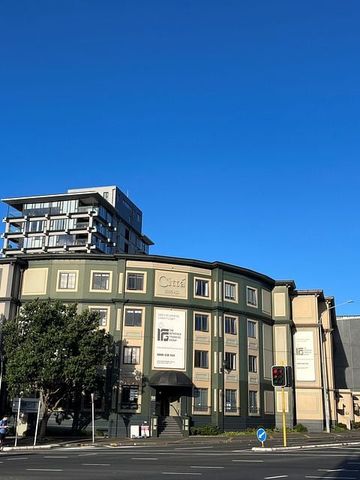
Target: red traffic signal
[[278, 376]]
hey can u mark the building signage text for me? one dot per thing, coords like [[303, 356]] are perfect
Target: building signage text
[[169, 339], [171, 284]]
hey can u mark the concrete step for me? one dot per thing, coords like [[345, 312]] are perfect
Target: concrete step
[[169, 426]]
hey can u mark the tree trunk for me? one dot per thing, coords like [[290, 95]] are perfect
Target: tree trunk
[[43, 423]]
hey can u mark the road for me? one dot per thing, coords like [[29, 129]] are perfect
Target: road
[[211, 462]]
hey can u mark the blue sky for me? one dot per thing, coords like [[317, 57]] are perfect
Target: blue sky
[[233, 125]]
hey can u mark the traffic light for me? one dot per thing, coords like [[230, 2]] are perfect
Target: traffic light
[[278, 376]]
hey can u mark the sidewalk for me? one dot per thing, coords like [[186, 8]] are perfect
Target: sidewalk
[[246, 441]]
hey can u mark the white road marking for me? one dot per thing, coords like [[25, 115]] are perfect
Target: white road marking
[[249, 461], [144, 458], [333, 478], [17, 458], [337, 470], [276, 476], [96, 464], [56, 456], [87, 454], [44, 470], [201, 466], [180, 473]]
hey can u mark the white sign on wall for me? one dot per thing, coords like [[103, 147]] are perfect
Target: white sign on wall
[[169, 339], [304, 356]]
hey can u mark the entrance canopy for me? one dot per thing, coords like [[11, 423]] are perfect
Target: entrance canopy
[[170, 379]]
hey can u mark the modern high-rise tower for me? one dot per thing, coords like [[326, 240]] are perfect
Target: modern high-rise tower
[[99, 220]]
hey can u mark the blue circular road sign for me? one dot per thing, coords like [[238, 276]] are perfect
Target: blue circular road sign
[[261, 435]]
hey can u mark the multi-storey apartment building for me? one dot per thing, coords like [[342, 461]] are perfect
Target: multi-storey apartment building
[[195, 340], [99, 219]]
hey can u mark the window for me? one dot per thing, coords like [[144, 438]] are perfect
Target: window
[[100, 281], [201, 322], [201, 400], [230, 401], [129, 397], [201, 359], [230, 325], [66, 281], [36, 226], [133, 317], [135, 281], [253, 402], [106, 195], [251, 296], [252, 364], [103, 315], [201, 288], [230, 361], [132, 355], [251, 329], [230, 291]]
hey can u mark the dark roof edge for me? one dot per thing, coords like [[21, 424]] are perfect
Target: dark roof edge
[[150, 258], [13, 260], [285, 283]]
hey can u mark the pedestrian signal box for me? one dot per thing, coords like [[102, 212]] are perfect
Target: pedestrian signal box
[[278, 376]]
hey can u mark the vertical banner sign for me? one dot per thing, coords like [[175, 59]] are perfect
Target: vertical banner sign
[[169, 339], [304, 356]]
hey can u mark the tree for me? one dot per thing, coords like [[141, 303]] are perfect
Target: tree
[[52, 349]]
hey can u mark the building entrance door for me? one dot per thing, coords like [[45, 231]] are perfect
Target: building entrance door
[[168, 402]]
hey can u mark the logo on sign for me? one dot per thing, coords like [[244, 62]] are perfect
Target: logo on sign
[[163, 334]]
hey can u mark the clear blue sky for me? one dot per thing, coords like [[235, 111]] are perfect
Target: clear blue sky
[[233, 125]]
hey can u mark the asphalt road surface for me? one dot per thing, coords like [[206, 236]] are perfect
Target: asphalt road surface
[[211, 462]]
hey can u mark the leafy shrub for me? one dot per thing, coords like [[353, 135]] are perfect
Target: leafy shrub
[[205, 430], [356, 425], [340, 427], [300, 428]]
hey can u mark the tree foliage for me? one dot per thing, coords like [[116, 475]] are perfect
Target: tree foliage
[[52, 349]]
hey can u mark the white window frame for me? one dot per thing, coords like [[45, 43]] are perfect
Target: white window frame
[[253, 365], [233, 408], [97, 290], [234, 363], [257, 412], [208, 281], [248, 288], [204, 410], [141, 309], [136, 272], [207, 359], [249, 321], [137, 396], [205, 314], [102, 307], [236, 323], [138, 357], [236, 297], [59, 273]]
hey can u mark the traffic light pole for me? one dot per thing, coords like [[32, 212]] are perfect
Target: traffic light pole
[[283, 415]]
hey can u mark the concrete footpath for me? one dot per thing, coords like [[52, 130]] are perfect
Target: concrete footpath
[[246, 441]]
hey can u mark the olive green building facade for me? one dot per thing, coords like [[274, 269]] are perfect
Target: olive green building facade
[[195, 340]]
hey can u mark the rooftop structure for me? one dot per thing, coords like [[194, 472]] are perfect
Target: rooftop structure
[[98, 219]]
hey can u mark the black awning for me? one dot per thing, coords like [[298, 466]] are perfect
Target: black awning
[[171, 378]]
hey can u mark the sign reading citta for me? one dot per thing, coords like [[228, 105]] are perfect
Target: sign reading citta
[[169, 339], [171, 284]]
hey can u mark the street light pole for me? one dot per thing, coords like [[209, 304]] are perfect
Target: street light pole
[[324, 372]]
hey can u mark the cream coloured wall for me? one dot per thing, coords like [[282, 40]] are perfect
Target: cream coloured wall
[[35, 281], [305, 309]]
